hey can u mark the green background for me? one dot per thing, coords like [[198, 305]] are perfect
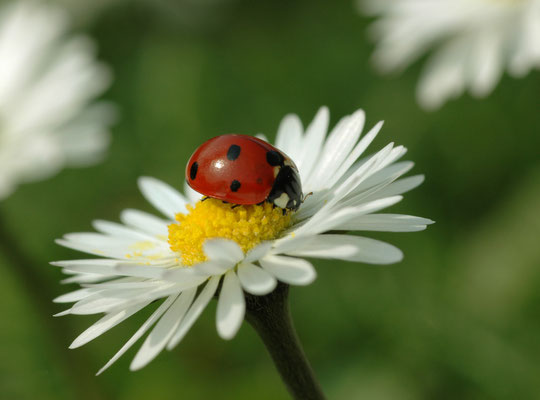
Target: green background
[[458, 318]]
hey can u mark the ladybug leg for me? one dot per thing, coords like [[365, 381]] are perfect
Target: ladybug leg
[[234, 206], [224, 202], [284, 211], [205, 198]]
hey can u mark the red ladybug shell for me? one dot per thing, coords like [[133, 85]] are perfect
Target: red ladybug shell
[[235, 168]]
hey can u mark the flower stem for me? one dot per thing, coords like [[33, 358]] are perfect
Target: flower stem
[[271, 318]]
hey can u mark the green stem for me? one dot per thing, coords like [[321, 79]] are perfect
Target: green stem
[[271, 318]]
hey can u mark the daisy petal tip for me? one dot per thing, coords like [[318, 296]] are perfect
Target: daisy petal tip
[[394, 258], [76, 344], [231, 307], [144, 180], [310, 278], [360, 113], [141, 360], [103, 369], [307, 279], [135, 366], [324, 110], [228, 333]]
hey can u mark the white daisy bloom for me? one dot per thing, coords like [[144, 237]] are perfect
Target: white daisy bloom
[[474, 41], [183, 257], [47, 82]]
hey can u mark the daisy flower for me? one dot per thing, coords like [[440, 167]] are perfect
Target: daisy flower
[[474, 41], [197, 246], [48, 81]]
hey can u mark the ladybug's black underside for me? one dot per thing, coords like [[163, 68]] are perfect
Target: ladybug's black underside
[[287, 187]]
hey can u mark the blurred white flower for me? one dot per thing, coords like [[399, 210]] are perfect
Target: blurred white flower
[[47, 82], [246, 248], [474, 41]]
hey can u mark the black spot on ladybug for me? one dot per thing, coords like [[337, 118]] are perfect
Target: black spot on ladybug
[[235, 185], [193, 170], [259, 181], [233, 152], [274, 158]]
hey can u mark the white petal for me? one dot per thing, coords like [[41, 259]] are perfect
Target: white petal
[[399, 187], [120, 231], [289, 243], [191, 194], [258, 251], [162, 333], [106, 267], [388, 174], [108, 300], [140, 270], [91, 266], [289, 136], [348, 183], [210, 268], [195, 311], [231, 307], [294, 271], [145, 222], [486, 64], [106, 323], [105, 302], [255, 280], [116, 247], [182, 273], [336, 149], [328, 220], [121, 284], [444, 75], [356, 153], [162, 196], [223, 250], [312, 143], [350, 248], [74, 296], [385, 223], [141, 331], [85, 278], [262, 136], [97, 244]]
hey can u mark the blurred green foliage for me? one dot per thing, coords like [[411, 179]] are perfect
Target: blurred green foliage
[[458, 318]]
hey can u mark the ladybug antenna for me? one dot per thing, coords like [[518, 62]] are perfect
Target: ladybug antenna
[[306, 196]]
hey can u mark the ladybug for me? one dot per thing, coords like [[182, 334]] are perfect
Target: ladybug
[[243, 169]]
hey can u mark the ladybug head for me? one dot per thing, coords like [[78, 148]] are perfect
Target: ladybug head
[[286, 192]]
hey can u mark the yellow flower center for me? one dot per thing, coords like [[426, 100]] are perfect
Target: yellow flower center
[[246, 225]]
